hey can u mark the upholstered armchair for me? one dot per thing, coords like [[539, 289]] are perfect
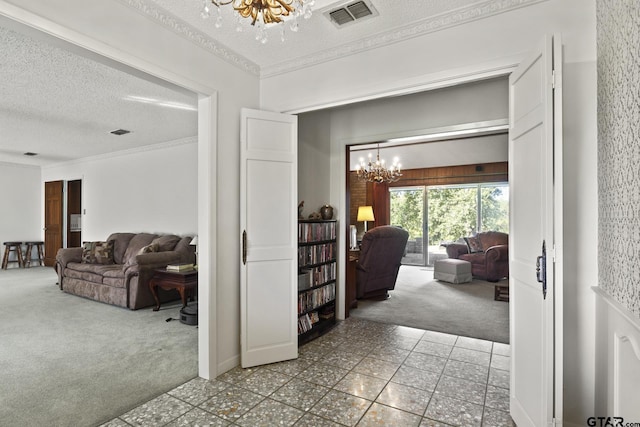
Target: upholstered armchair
[[487, 252], [379, 261]]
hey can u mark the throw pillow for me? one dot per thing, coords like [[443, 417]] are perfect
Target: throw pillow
[[473, 244], [97, 252], [152, 247], [166, 243]]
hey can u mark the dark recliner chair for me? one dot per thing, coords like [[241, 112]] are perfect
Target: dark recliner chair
[[380, 255]]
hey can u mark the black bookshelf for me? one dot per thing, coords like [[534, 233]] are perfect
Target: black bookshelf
[[317, 254]]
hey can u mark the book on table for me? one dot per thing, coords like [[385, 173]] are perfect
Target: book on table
[[180, 267]]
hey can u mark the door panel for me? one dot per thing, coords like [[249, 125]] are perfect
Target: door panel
[[268, 217], [52, 221], [260, 301], [535, 170]]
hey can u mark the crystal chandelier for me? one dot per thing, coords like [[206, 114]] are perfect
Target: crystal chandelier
[[377, 171], [262, 13]]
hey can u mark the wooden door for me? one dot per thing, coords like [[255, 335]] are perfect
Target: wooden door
[[269, 237], [535, 179], [52, 221]]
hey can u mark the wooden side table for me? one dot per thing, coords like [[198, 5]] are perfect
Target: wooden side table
[[185, 282], [501, 292], [351, 301]]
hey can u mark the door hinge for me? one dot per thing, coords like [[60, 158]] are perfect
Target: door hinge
[[553, 79]]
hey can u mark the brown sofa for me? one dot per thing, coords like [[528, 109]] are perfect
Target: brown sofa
[[488, 253], [123, 280], [379, 261]]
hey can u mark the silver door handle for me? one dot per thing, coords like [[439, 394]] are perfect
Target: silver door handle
[[244, 247], [541, 270]]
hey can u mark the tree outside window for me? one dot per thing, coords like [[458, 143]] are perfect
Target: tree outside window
[[452, 211]]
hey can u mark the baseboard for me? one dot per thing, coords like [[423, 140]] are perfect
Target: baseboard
[[228, 364]]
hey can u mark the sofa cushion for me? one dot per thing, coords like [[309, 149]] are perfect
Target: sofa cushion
[[475, 258], [493, 238], [97, 253], [114, 278], [121, 242], [135, 244], [88, 276], [473, 244], [167, 242], [92, 272], [151, 247]]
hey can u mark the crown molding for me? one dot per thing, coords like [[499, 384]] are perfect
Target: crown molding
[[436, 23], [19, 165], [190, 33], [142, 149]]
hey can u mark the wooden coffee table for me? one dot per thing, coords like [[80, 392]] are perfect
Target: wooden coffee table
[[185, 282]]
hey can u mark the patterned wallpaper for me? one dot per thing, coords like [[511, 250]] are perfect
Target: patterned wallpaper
[[618, 29]]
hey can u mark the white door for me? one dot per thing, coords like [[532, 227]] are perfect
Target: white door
[[535, 177], [268, 221]]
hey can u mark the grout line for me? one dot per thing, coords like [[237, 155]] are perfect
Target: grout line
[[379, 342]]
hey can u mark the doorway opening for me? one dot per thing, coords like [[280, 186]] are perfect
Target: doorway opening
[[72, 235], [74, 213]]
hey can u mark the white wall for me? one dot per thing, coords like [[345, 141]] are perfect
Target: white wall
[[151, 190], [313, 160], [21, 206], [435, 58], [580, 239], [446, 57]]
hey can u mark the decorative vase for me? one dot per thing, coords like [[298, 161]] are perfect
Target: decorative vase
[[326, 212]]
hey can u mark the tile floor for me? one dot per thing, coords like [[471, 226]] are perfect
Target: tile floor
[[360, 373]]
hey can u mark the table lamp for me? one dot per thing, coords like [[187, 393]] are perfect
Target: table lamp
[[365, 213]]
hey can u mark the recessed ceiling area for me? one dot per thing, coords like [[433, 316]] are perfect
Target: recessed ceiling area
[[64, 105], [449, 152]]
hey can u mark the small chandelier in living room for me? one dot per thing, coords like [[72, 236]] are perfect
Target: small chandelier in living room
[[376, 171], [262, 13]]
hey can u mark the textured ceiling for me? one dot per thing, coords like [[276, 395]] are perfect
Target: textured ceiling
[[62, 104]]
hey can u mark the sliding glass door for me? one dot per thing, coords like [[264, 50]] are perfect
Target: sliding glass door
[[445, 214], [407, 206], [452, 213]]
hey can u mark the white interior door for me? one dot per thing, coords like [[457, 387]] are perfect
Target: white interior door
[[535, 177], [268, 217]]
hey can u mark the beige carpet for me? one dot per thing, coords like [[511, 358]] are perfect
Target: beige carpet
[[420, 302], [70, 361]]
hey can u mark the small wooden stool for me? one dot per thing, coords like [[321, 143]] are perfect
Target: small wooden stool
[[15, 247], [30, 245]]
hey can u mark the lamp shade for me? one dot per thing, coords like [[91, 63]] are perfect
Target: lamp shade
[[365, 213]]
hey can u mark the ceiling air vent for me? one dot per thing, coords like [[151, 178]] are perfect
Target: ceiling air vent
[[120, 132], [351, 12]]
